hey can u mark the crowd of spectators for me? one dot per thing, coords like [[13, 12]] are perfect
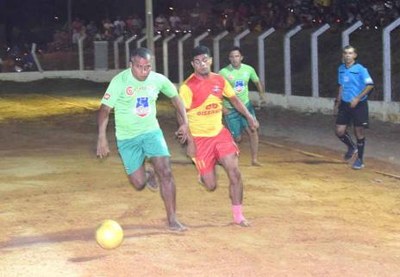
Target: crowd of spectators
[[280, 14]]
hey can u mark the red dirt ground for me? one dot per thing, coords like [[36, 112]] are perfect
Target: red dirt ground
[[311, 214]]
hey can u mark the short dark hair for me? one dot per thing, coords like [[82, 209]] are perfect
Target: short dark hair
[[236, 48], [200, 50], [141, 52], [347, 47]]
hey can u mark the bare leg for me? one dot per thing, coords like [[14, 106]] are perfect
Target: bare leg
[[231, 166], [209, 180], [138, 178], [162, 168], [253, 137]]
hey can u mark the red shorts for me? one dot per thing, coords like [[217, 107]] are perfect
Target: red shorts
[[210, 149]]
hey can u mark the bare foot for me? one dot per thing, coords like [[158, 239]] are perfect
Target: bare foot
[[151, 182], [176, 226], [243, 223], [256, 163]]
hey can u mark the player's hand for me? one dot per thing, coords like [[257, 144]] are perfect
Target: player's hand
[[253, 123], [191, 147], [102, 148], [336, 107], [262, 100], [354, 102], [182, 133]]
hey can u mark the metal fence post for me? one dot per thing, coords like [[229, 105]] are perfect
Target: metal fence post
[[80, 52], [236, 40], [116, 51], [287, 59], [346, 33], [261, 54], [35, 58], [314, 59], [127, 42], [216, 49], [180, 55], [387, 65], [199, 38], [165, 54]]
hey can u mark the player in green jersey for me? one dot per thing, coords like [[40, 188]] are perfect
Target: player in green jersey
[[133, 94], [238, 75]]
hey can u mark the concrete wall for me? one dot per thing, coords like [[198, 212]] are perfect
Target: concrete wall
[[380, 110]]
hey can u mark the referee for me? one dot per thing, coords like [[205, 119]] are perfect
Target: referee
[[351, 105]]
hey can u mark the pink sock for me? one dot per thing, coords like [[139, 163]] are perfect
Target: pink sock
[[237, 213]]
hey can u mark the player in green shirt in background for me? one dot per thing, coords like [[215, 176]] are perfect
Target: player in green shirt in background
[[133, 94], [238, 75]]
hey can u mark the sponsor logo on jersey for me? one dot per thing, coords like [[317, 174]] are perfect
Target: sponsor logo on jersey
[[239, 86], [129, 91], [216, 90], [142, 106]]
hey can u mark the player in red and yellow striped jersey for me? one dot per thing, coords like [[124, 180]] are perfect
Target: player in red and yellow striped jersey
[[211, 143]]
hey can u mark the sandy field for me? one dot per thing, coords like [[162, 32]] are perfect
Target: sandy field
[[311, 214]]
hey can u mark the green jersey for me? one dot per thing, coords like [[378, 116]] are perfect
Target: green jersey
[[134, 102], [239, 80]]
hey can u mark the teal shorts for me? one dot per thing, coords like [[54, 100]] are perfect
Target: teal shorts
[[236, 122], [134, 151]]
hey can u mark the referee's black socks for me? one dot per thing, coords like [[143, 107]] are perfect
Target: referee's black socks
[[346, 139], [360, 147]]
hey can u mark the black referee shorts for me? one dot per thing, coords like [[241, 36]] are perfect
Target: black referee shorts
[[357, 116]]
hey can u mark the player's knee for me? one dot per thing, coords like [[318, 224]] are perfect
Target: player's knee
[[339, 133], [210, 186], [137, 184], [164, 173]]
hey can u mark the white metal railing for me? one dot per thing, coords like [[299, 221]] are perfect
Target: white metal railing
[[216, 57], [180, 56], [345, 35], [314, 59], [387, 64], [236, 40], [165, 54], [287, 60], [261, 54]]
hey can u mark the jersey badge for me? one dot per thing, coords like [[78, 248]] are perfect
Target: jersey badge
[[107, 96], [142, 106], [129, 91], [239, 86], [216, 90]]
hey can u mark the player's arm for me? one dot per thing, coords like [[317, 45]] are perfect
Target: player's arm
[[182, 132], [186, 96], [102, 121], [337, 101], [240, 107], [363, 93], [261, 93]]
